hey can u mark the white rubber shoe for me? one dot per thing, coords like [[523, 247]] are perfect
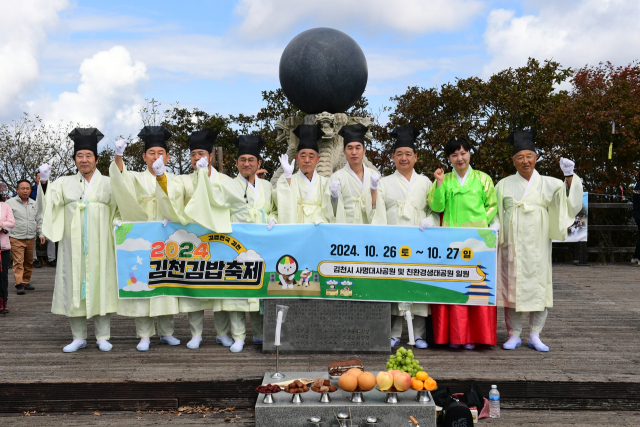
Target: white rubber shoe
[[237, 347], [74, 346], [194, 343], [143, 345], [104, 345], [512, 343], [224, 340], [170, 340]]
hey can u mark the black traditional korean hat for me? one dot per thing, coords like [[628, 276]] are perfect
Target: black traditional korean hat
[[85, 139], [353, 133], [250, 144], [308, 136], [155, 136], [202, 140], [523, 140], [405, 137]]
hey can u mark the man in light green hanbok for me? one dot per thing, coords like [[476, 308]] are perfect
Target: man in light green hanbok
[[401, 199], [298, 196], [249, 199], [347, 199], [135, 194], [174, 192], [79, 212], [533, 211]]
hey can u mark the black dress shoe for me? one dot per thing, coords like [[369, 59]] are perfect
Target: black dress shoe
[[37, 265], [52, 263], [20, 290], [28, 287]]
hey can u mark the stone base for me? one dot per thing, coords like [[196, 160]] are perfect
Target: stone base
[[321, 326], [283, 413]]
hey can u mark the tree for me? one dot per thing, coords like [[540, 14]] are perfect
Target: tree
[[26, 143]]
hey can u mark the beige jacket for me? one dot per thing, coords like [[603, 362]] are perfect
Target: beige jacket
[[28, 221]]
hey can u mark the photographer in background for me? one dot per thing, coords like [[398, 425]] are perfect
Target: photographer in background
[[6, 224]]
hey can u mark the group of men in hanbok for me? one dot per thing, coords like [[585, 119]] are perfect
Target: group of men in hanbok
[[526, 210]]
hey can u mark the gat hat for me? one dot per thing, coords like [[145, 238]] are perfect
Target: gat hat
[[155, 136], [405, 137], [85, 139], [250, 144], [353, 133], [523, 140], [308, 136], [202, 140]]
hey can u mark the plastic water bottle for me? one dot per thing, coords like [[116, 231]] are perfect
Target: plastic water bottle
[[494, 402]]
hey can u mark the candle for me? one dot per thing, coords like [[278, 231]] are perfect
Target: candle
[[407, 315], [278, 327]]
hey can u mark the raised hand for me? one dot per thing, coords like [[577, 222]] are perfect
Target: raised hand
[[45, 172], [202, 163], [121, 144], [567, 166], [375, 179], [158, 166], [286, 167], [439, 176]]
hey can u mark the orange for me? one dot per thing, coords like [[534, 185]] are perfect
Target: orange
[[430, 384], [416, 384], [422, 375]]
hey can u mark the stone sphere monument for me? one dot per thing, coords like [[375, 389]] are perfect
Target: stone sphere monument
[[323, 70]]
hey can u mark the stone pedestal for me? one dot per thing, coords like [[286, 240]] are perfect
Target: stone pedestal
[[283, 413], [315, 326]]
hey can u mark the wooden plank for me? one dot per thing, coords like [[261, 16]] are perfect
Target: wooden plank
[[611, 205], [79, 405], [613, 227], [611, 250]]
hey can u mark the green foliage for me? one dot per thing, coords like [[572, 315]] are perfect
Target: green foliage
[[489, 237], [122, 231]]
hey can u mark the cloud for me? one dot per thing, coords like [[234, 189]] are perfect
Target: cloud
[[182, 235], [264, 18], [572, 33], [475, 245], [137, 287], [138, 244], [23, 32], [249, 255], [109, 95]]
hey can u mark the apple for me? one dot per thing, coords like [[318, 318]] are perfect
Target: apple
[[402, 381], [384, 380]]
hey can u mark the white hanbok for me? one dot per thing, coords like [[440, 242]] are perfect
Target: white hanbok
[[300, 202], [354, 200]]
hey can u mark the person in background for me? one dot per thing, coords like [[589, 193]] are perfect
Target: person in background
[[401, 199], [28, 226], [51, 247], [6, 224], [636, 217], [467, 198]]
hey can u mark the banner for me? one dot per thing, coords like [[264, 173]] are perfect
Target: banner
[[329, 261], [578, 230]]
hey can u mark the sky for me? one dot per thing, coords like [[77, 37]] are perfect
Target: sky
[[96, 62]]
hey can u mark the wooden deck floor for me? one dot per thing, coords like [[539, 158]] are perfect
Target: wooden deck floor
[[594, 362]]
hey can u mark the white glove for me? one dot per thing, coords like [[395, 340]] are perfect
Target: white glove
[[567, 166], [117, 223], [426, 223], [158, 166], [495, 226], [271, 224], [121, 144], [45, 172], [286, 167], [375, 179], [202, 163], [165, 221], [334, 187]]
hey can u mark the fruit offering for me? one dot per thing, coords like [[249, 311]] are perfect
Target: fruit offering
[[403, 361], [394, 379], [323, 386], [422, 381], [266, 389], [296, 387]]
